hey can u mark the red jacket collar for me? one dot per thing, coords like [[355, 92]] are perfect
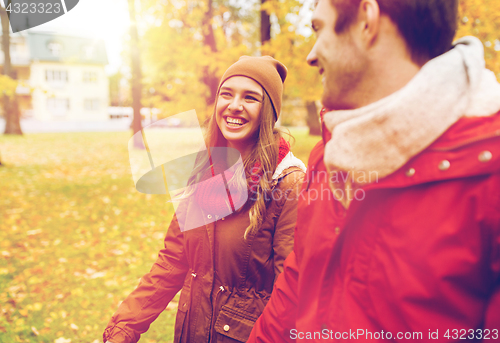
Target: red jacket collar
[[470, 147]]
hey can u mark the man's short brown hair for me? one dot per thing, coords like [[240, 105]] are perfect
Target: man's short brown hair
[[428, 26]]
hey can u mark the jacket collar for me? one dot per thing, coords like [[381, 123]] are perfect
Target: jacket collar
[[471, 147], [288, 161], [383, 136]]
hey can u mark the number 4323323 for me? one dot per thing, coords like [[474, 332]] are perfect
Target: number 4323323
[[33, 7], [471, 334]]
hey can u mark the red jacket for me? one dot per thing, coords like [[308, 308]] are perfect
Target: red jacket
[[419, 253]]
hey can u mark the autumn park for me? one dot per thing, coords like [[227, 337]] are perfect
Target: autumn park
[[75, 234]]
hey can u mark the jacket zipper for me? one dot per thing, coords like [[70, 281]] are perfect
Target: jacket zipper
[[212, 328]]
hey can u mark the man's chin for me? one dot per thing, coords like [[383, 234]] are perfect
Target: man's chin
[[335, 102], [326, 101]]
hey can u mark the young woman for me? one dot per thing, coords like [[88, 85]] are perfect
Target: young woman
[[226, 268]]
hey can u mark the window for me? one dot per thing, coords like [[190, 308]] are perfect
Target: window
[[58, 107], [91, 104], [90, 77], [55, 48], [56, 76]]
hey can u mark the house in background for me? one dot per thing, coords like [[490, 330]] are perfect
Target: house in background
[[62, 77]]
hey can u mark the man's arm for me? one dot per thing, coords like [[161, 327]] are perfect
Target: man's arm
[[278, 319], [492, 320], [492, 314]]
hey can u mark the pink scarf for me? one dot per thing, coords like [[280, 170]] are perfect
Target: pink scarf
[[208, 195]]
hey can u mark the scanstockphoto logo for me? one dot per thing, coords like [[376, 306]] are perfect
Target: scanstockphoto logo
[[26, 14], [165, 162]]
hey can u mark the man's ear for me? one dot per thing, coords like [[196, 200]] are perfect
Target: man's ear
[[368, 21]]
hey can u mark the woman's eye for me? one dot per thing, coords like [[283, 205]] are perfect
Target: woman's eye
[[251, 98], [225, 94]]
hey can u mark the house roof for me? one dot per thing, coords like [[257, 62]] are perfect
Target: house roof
[[68, 49]]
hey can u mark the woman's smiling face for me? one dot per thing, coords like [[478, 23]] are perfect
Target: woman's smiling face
[[238, 111]]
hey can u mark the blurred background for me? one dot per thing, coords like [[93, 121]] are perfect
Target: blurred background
[[75, 235]]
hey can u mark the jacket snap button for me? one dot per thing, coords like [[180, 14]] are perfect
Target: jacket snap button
[[485, 156], [337, 230], [444, 165], [226, 328], [410, 172], [209, 216]]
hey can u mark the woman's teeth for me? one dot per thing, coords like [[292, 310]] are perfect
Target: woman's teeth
[[234, 121]]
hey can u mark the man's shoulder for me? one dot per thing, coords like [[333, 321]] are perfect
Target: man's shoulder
[[470, 147], [469, 130]]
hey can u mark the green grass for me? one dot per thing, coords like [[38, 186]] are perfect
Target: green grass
[[303, 143], [75, 235]]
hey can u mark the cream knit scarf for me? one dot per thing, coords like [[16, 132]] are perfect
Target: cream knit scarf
[[381, 137]]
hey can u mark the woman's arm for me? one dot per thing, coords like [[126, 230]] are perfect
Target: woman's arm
[[285, 226], [155, 290]]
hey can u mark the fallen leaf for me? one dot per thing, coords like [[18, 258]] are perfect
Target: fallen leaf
[[35, 331]]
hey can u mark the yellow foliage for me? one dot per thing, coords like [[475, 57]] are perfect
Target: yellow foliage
[[291, 47], [481, 18], [7, 85], [176, 58]]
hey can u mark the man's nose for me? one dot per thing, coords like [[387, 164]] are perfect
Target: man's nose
[[311, 59]]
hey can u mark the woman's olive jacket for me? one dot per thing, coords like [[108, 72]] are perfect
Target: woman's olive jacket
[[226, 280]]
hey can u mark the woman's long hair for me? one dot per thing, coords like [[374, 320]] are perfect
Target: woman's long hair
[[265, 151]]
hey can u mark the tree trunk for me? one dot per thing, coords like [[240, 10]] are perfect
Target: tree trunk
[[12, 115], [265, 25], [10, 104], [209, 78], [136, 81], [313, 119]]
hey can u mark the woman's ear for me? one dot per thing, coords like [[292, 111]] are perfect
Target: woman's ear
[[369, 21]]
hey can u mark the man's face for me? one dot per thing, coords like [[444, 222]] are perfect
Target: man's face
[[339, 59]]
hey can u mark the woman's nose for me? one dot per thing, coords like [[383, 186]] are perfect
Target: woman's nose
[[236, 105]]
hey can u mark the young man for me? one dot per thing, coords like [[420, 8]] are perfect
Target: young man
[[398, 231]]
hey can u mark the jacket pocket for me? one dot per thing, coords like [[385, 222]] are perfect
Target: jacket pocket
[[181, 326], [235, 324]]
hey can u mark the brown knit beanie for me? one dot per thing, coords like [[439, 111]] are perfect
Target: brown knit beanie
[[266, 71]]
